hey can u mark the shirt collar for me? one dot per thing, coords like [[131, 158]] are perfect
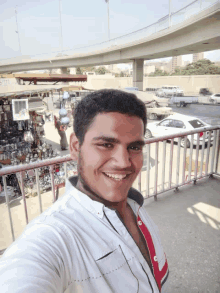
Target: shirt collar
[[93, 206]]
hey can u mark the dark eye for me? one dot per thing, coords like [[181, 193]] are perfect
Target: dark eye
[[106, 145], [136, 148]]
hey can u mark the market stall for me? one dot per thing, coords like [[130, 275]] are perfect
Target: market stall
[[22, 139]]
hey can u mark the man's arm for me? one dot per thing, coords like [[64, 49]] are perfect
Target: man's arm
[[33, 263]]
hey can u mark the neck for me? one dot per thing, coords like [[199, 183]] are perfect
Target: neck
[[119, 206]]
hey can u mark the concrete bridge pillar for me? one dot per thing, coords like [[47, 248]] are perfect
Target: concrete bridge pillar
[[64, 70], [138, 73]]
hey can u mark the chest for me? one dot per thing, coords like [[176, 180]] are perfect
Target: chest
[[131, 225]]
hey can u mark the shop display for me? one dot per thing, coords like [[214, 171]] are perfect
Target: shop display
[[22, 141]]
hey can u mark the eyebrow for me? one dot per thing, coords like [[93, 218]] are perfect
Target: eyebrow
[[117, 141]]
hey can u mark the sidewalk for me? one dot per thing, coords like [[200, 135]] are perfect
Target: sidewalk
[[189, 224]]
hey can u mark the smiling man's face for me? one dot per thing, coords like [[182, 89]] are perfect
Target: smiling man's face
[[110, 157]]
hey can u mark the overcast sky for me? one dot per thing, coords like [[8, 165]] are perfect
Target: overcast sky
[[84, 22]]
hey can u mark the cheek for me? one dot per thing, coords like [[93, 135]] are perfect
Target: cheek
[[94, 160], [138, 162]]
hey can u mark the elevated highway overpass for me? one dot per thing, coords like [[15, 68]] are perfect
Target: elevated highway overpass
[[198, 32]]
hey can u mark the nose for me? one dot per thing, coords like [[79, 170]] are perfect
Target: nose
[[121, 158]]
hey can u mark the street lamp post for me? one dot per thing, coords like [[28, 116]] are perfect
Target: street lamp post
[[61, 31], [17, 31], [107, 1]]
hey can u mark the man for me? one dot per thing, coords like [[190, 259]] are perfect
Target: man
[[61, 126], [65, 98], [97, 237]]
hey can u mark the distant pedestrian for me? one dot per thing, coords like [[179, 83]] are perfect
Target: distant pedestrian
[[65, 98], [61, 126]]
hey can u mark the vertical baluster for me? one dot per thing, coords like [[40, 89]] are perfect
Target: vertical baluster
[[8, 206], [163, 164], [156, 170], [65, 170], [52, 182], [197, 156], [207, 154], [213, 152], [148, 171], [178, 163], [184, 160], [23, 196], [217, 151], [139, 181], [190, 157], [171, 163], [38, 189], [202, 156]]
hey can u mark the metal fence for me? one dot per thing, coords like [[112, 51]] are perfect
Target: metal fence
[[167, 165]]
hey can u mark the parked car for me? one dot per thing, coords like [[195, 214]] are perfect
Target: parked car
[[175, 124], [215, 99], [155, 110], [131, 88], [169, 91], [205, 92]]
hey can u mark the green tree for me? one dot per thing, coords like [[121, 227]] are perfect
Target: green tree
[[159, 72], [121, 74], [201, 67], [101, 70]]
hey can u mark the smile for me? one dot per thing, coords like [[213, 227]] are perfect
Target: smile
[[117, 177]]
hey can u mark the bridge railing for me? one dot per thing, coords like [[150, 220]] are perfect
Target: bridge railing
[[164, 23], [168, 164]]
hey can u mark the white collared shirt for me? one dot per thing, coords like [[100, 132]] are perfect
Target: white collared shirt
[[79, 245]]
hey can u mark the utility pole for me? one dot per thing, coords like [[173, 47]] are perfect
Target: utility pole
[[107, 1], [17, 31], [61, 30]]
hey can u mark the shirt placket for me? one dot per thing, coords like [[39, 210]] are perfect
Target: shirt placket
[[158, 275]]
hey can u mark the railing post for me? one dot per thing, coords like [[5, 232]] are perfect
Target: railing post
[[38, 189], [218, 151], [213, 152], [65, 170], [164, 163], [148, 172], [178, 164], [52, 182], [23, 195], [184, 160], [139, 181], [156, 170], [190, 157], [171, 163], [207, 154], [197, 156], [202, 156], [8, 206]]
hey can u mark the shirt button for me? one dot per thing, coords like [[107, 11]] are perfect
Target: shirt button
[[139, 223], [155, 258]]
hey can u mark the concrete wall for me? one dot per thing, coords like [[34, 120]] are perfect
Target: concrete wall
[[189, 84]]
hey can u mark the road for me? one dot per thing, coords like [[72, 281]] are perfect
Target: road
[[208, 113]]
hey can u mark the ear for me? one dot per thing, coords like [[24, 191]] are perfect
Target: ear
[[74, 147]]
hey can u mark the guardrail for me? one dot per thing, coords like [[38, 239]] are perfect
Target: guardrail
[[164, 23], [166, 166]]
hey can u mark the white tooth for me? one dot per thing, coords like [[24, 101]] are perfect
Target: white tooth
[[116, 176]]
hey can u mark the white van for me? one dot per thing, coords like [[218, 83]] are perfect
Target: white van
[[169, 90]]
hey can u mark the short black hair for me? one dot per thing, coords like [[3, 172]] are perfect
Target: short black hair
[[105, 101]]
